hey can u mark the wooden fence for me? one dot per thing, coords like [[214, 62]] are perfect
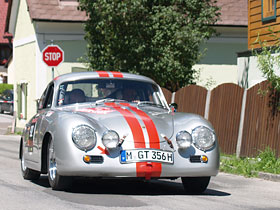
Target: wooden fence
[[245, 121]]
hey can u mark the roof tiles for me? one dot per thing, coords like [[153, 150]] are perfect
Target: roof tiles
[[55, 10], [233, 12], [3, 15]]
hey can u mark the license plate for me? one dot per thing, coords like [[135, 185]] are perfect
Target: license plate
[[146, 155]]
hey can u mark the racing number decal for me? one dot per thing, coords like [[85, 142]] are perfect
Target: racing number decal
[[31, 134]]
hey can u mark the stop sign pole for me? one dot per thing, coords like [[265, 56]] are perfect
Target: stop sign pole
[[53, 55]]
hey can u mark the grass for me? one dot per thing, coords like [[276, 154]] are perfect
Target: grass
[[18, 133], [266, 161]]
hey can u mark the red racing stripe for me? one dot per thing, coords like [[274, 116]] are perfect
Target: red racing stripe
[[103, 151], [133, 123], [153, 136], [56, 78], [103, 73], [138, 136], [117, 74]]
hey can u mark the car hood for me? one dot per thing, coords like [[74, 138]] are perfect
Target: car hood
[[129, 121]]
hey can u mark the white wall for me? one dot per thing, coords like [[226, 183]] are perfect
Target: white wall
[[249, 73], [219, 64], [31, 38]]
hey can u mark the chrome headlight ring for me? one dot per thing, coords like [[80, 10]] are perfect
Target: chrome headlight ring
[[183, 139], [203, 138], [84, 137], [111, 139]]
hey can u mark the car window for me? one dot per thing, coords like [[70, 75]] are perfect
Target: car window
[[47, 97], [42, 99]]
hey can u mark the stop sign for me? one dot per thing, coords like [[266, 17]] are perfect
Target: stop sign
[[53, 55]]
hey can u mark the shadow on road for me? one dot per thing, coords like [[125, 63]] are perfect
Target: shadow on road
[[127, 187]]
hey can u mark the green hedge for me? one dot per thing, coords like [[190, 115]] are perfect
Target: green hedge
[[5, 87]]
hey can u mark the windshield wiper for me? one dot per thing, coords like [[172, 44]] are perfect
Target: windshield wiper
[[143, 103], [104, 100]]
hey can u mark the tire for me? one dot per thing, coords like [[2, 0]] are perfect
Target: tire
[[1, 111], [11, 110], [28, 173], [195, 184], [56, 181]]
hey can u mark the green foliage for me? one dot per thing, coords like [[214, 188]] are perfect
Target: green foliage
[[269, 62], [4, 87], [242, 166], [159, 39], [266, 161]]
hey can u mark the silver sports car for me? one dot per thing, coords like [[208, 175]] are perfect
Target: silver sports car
[[112, 124]]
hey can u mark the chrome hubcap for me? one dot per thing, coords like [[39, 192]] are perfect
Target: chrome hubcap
[[23, 163], [52, 162]]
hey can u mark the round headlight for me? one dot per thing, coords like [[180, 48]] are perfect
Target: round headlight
[[84, 137], [183, 139], [203, 138], [110, 139]]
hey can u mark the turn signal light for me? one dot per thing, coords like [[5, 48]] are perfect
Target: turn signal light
[[204, 159], [87, 159]]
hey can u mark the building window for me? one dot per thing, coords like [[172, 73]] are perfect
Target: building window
[[268, 10], [22, 101], [79, 69]]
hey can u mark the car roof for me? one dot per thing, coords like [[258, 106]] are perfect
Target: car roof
[[8, 92], [100, 74]]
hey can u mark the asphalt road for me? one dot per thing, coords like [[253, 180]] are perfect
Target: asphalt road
[[5, 121], [225, 192]]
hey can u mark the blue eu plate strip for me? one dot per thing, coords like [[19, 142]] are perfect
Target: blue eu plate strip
[[123, 156]]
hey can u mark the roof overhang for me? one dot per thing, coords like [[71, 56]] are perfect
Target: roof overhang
[[60, 30], [12, 16]]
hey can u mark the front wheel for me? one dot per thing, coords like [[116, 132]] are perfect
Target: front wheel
[[195, 184], [11, 110], [56, 181]]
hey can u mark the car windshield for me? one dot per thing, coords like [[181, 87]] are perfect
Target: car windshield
[[100, 91], [8, 95]]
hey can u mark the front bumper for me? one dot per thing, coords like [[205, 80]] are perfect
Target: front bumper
[[108, 164]]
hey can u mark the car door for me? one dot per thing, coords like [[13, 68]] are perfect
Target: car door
[[44, 109], [36, 133]]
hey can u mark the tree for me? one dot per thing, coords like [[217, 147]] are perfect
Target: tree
[[159, 39]]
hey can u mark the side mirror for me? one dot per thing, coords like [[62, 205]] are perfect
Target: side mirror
[[173, 107], [37, 104]]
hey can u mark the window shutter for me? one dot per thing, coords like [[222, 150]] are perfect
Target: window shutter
[[268, 10], [24, 86], [19, 100]]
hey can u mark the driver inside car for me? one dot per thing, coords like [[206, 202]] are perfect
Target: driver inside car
[[130, 94], [77, 96]]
